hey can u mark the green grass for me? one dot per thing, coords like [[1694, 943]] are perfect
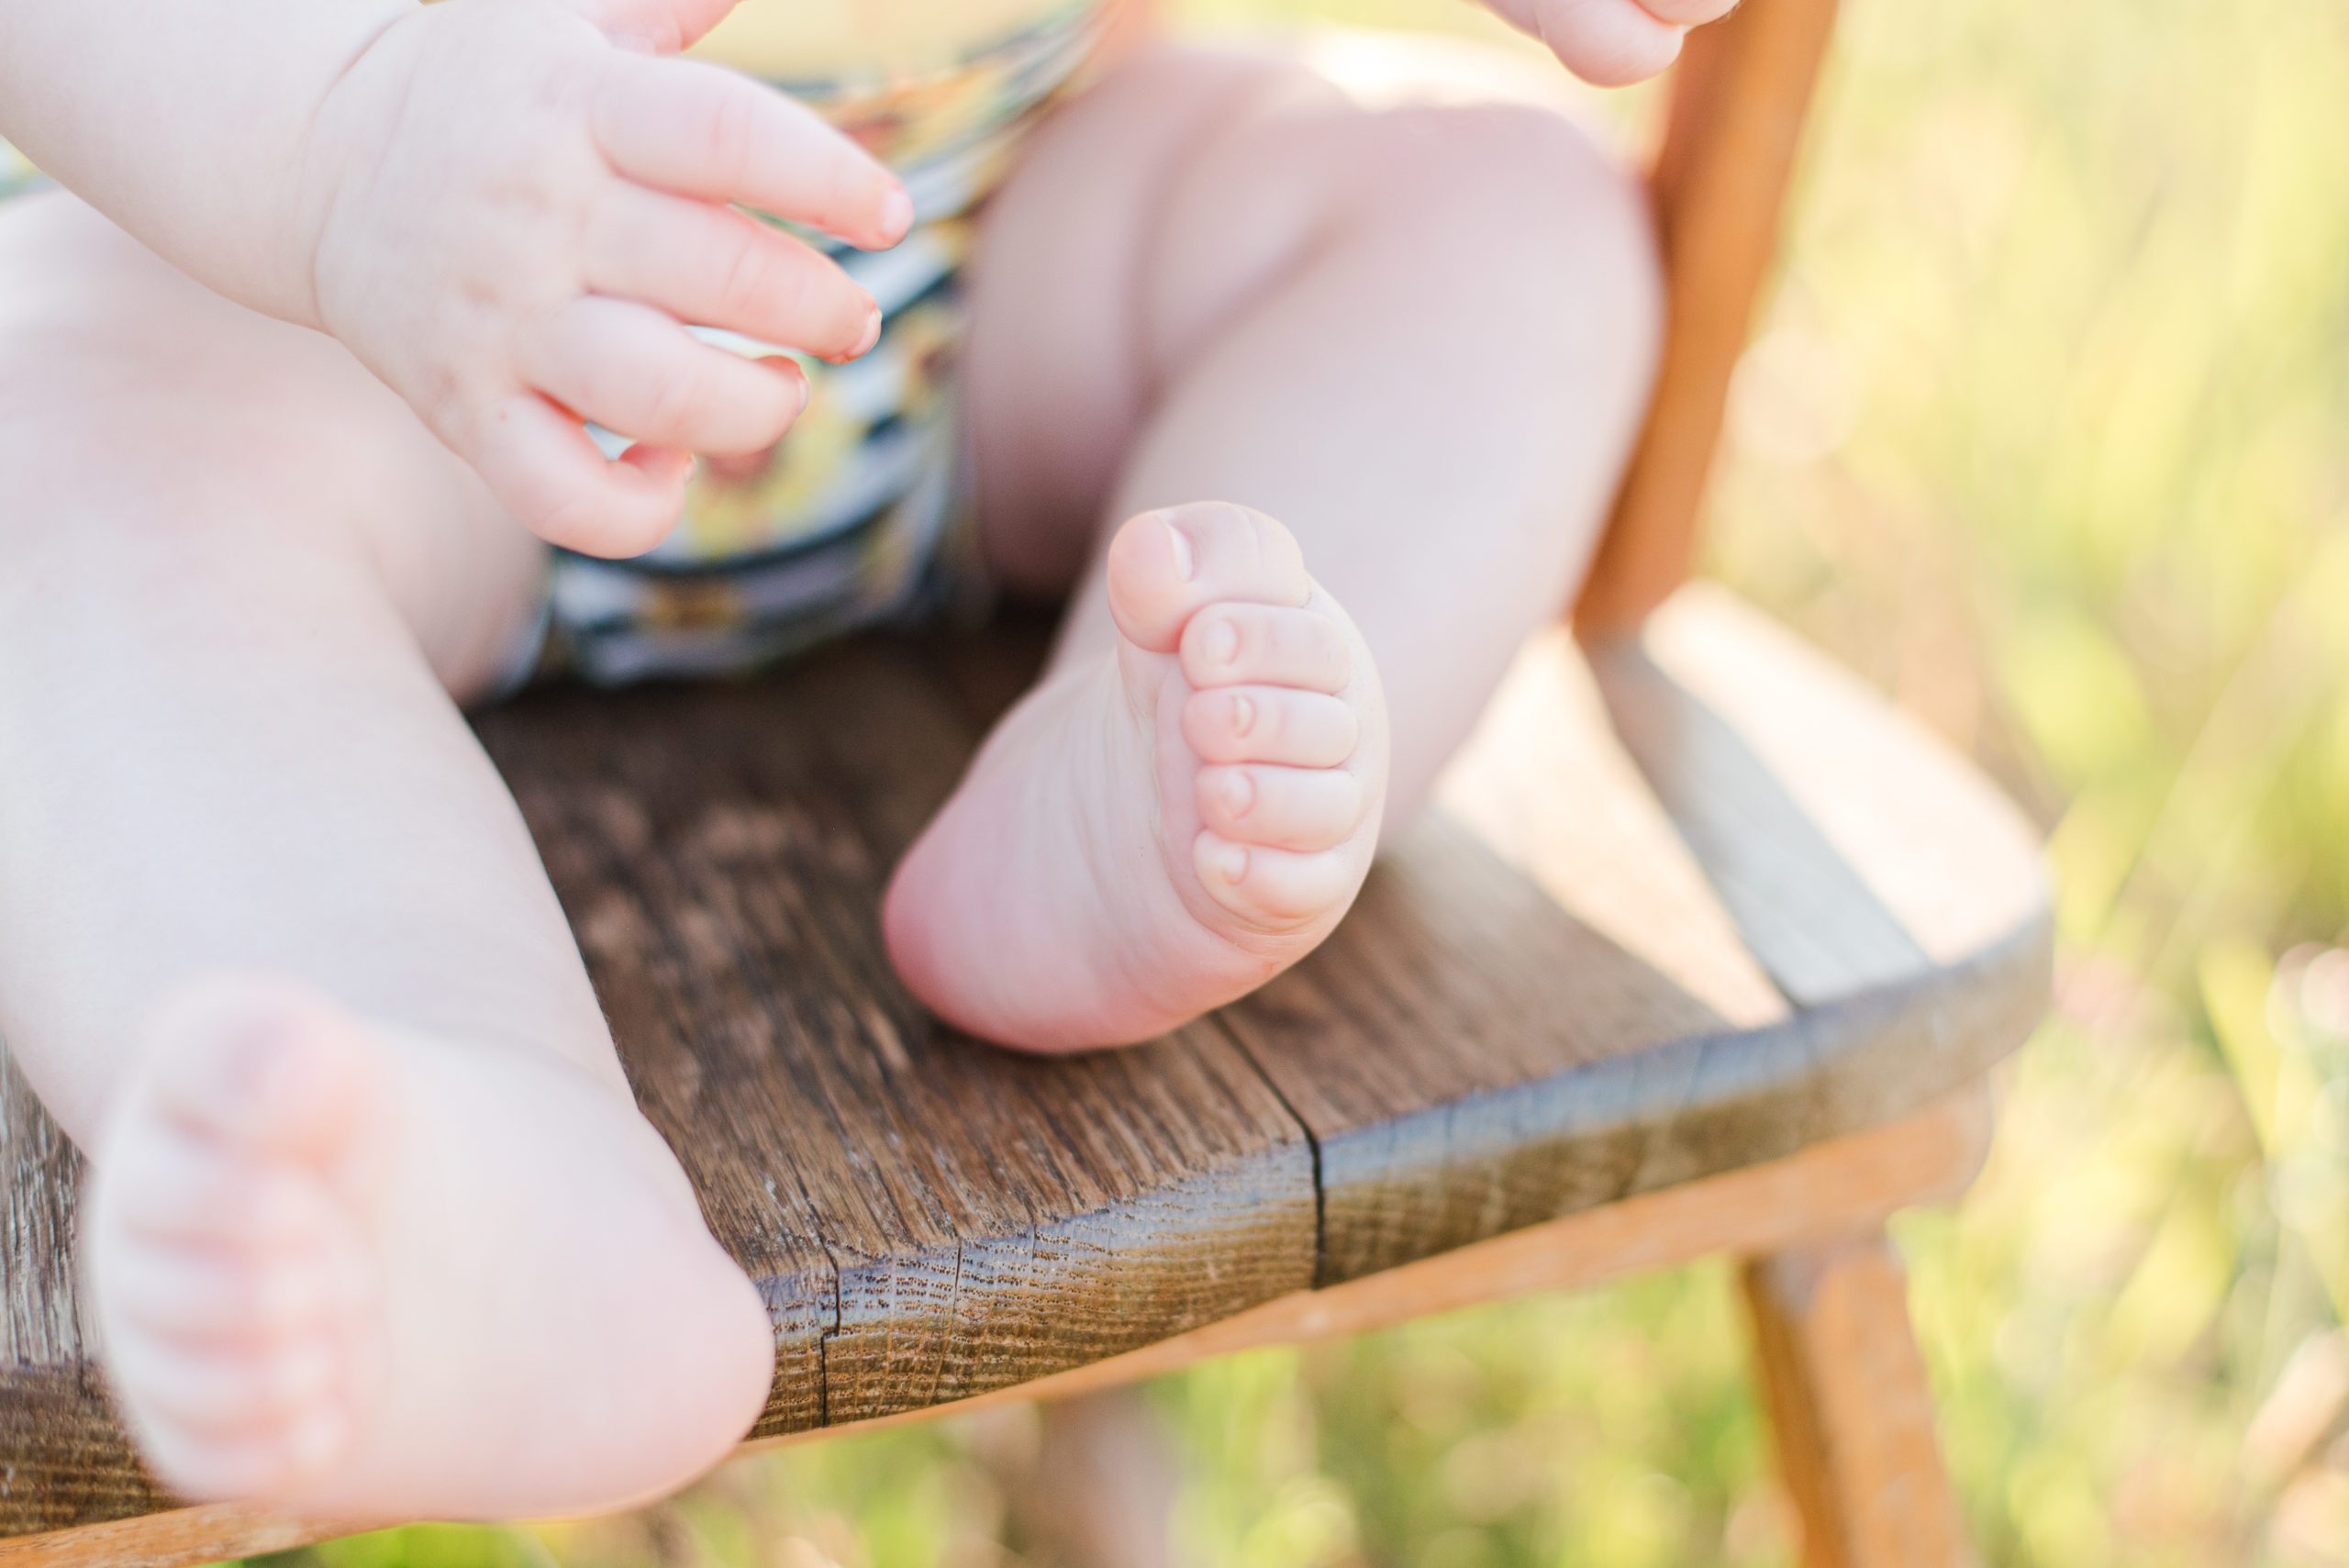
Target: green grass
[[2048, 433]]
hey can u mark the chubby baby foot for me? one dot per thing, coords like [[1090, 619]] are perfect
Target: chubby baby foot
[[1158, 832], [370, 1277]]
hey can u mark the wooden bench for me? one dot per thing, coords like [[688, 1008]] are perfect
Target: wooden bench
[[1702, 950]]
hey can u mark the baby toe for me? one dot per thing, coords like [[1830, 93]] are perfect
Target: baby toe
[[205, 1465], [1166, 566], [253, 1390], [1270, 724], [203, 1295], [168, 1184], [1275, 889], [1304, 809], [263, 1064], [1241, 644]]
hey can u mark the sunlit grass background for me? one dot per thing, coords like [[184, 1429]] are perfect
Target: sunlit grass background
[[2048, 433]]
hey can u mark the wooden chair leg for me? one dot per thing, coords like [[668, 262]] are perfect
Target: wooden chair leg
[[1099, 1490], [1847, 1398]]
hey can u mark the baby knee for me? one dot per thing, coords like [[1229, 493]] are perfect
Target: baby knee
[[1544, 200], [1546, 227]]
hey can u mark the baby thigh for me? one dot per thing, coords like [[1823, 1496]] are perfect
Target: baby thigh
[[239, 585], [145, 414]]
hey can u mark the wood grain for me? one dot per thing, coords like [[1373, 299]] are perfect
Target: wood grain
[[1597, 968], [1825, 1192], [1739, 98], [64, 1457], [1580, 980], [929, 1218]]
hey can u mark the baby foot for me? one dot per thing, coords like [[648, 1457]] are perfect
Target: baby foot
[[1154, 834], [365, 1277]]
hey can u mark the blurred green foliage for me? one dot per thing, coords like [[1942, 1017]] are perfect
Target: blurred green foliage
[[2047, 432]]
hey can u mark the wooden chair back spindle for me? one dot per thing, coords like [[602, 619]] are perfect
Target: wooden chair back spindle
[[1740, 97]]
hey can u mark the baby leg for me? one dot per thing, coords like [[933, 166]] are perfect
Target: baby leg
[[1416, 341], [376, 1231]]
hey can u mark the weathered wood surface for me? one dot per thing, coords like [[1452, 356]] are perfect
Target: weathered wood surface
[[1825, 1193], [1768, 913], [1571, 984], [929, 1218], [64, 1458]]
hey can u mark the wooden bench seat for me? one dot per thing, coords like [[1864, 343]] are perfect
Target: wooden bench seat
[[1693, 904]]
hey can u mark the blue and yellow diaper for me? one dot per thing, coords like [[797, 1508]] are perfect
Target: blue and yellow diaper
[[859, 516], [17, 174]]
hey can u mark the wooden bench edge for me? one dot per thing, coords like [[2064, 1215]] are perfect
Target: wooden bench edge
[[1843, 1186], [1840, 1187]]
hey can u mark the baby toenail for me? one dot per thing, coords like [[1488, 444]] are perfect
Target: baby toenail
[[1243, 715], [1223, 643], [1239, 793], [1232, 864], [1185, 565]]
